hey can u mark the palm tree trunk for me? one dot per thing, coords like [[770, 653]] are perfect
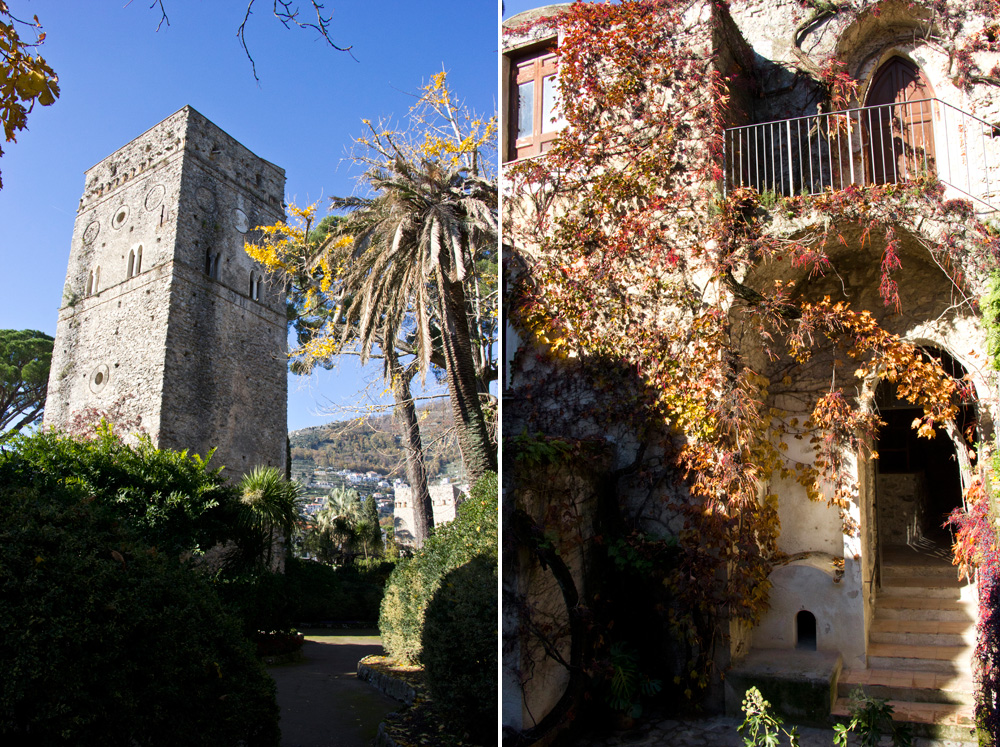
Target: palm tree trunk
[[416, 472], [473, 436]]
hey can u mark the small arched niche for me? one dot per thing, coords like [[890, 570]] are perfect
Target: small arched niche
[[805, 631]]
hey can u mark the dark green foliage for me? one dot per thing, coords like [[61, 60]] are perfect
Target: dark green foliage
[[25, 356], [412, 585], [257, 598], [172, 500], [871, 718], [319, 592], [105, 641], [459, 648]]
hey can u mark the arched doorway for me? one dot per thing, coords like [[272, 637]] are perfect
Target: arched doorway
[[919, 480], [899, 124]]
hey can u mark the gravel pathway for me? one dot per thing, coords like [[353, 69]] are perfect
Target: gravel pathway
[[323, 703]]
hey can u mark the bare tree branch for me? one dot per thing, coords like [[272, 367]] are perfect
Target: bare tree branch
[[288, 15]]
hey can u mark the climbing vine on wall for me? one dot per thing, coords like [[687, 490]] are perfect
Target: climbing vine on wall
[[633, 263]]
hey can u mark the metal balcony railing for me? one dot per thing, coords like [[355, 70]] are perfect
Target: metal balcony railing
[[869, 145]]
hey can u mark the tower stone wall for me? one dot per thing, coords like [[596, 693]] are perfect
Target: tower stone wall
[[165, 319]]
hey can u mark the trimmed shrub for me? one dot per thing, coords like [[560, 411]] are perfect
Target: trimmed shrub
[[460, 645], [319, 592], [414, 582], [171, 499], [105, 640], [258, 598]]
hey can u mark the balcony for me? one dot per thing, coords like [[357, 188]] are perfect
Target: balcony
[[884, 144]]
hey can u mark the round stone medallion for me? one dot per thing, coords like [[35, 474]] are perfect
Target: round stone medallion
[[90, 233], [121, 215], [99, 378], [155, 196], [240, 221]]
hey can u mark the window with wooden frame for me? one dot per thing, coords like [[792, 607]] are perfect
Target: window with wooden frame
[[534, 111]]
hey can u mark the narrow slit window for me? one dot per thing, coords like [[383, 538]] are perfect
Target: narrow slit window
[[131, 264]]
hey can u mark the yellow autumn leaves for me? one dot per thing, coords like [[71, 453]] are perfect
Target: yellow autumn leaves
[[24, 77]]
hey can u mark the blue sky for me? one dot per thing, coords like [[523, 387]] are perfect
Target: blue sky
[[119, 76]]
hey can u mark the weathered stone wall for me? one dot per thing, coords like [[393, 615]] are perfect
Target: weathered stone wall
[[148, 328]]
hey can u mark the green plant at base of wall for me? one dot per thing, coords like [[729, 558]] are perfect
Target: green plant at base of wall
[[871, 718], [760, 727]]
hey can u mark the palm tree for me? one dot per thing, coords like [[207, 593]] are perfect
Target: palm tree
[[413, 244], [269, 506], [344, 524]]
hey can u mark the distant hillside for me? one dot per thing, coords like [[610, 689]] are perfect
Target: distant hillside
[[374, 443]]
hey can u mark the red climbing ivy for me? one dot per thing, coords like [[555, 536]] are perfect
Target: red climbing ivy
[[648, 284], [978, 551]]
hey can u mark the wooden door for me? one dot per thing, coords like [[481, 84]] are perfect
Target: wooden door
[[899, 122]]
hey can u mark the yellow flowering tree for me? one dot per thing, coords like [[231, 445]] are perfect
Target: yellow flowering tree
[[405, 267]]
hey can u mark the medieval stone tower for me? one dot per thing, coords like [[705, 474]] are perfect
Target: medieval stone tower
[[165, 319]]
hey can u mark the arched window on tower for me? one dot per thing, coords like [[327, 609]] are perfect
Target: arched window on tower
[[254, 286], [90, 283], [134, 262], [212, 264], [97, 279]]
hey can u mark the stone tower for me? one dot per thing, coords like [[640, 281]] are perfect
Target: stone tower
[[165, 319]]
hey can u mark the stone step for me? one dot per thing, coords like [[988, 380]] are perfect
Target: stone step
[[939, 659], [921, 587], [909, 686], [890, 573], [935, 720], [923, 632], [913, 607]]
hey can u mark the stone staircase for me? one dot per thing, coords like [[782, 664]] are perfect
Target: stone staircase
[[920, 647]]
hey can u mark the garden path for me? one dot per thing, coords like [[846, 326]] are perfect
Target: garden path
[[323, 703]]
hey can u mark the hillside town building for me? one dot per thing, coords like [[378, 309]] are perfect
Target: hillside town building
[[445, 499]]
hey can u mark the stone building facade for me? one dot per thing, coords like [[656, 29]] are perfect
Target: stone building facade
[[836, 598], [166, 321], [445, 499]]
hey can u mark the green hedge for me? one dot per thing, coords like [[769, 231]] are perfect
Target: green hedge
[[460, 645], [319, 592], [105, 640], [171, 499], [415, 580]]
